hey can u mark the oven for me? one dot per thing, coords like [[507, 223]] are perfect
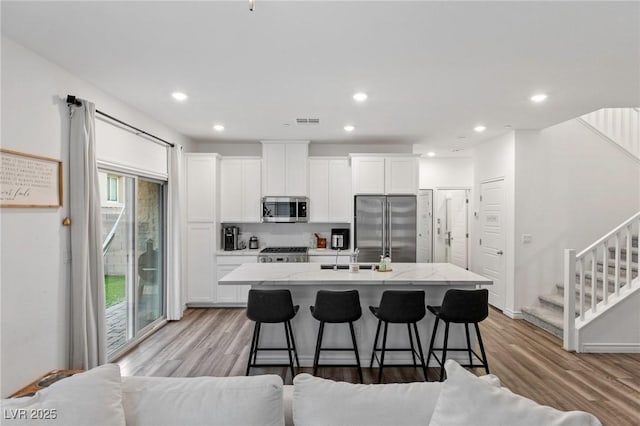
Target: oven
[[285, 209]]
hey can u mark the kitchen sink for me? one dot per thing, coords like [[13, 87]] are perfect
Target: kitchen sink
[[332, 266]]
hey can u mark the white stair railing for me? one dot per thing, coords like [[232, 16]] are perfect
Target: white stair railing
[[618, 125], [615, 247]]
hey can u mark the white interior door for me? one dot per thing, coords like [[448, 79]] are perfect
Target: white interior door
[[451, 242], [457, 222], [492, 240]]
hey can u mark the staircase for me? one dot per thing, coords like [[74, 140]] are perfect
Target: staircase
[[549, 314], [620, 126]]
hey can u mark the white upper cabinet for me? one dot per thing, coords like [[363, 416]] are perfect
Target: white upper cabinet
[[240, 190], [401, 175], [384, 174], [340, 196], [329, 190], [368, 175], [318, 190], [284, 168], [201, 184]]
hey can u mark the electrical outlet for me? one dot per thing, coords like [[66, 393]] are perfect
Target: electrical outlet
[[526, 238]]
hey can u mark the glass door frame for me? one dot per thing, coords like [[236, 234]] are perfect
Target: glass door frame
[[135, 336]]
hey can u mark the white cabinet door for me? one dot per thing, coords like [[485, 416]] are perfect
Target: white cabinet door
[[339, 191], [319, 190], [368, 175], [200, 183], [401, 175], [274, 170], [200, 263], [232, 294], [226, 293], [231, 202], [251, 181], [296, 164]]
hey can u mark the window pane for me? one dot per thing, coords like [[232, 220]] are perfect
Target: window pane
[[149, 252]]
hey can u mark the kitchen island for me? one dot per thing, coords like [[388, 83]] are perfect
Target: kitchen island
[[305, 279]]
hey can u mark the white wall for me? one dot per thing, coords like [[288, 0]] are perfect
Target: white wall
[[34, 244], [446, 173], [571, 188], [495, 159]]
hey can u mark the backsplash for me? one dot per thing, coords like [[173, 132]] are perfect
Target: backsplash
[[285, 234]]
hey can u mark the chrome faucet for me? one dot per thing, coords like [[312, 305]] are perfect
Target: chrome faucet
[[335, 267]]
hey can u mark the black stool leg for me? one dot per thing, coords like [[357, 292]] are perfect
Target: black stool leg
[[255, 349], [289, 349], [424, 366], [466, 329], [384, 347], [318, 345], [253, 345], [484, 356], [375, 344], [413, 351], [293, 343], [355, 350], [444, 349], [433, 339]]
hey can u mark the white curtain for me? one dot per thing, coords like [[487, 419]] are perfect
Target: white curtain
[[88, 326], [174, 238]]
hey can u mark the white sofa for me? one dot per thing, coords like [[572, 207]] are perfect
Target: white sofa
[[101, 397]]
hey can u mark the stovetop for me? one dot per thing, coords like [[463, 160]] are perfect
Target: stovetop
[[284, 250]]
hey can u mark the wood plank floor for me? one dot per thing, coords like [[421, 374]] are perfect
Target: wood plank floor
[[529, 361]]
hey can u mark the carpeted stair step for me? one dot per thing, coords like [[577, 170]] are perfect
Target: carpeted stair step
[[547, 319], [623, 267], [611, 281], [587, 293], [623, 253], [555, 301]]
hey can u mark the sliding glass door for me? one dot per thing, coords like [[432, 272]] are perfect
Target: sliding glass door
[[133, 223]]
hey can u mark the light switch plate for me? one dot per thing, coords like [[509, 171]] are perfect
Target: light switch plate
[[526, 238]]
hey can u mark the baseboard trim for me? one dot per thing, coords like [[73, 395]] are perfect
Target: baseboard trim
[[630, 348], [513, 314]]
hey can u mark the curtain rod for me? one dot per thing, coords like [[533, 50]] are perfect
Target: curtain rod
[[72, 100]]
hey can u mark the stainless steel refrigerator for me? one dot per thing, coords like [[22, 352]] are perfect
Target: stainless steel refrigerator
[[385, 224]]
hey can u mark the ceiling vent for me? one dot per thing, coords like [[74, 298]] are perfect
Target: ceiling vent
[[307, 121]]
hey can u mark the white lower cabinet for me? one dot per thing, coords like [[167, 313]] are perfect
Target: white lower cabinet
[[232, 294], [201, 244]]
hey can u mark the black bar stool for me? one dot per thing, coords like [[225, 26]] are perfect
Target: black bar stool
[[461, 307], [271, 306], [399, 307], [337, 307]]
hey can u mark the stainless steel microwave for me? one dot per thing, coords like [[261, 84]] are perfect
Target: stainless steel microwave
[[285, 209]]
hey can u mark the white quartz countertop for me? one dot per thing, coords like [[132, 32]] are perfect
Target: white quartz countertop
[[310, 274]]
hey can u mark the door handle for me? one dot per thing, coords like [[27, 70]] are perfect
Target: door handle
[[500, 252]]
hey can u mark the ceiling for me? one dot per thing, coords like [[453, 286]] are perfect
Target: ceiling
[[432, 70]]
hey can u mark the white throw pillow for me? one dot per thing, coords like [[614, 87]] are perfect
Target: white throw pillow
[[228, 401], [466, 400], [90, 398], [325, 402]]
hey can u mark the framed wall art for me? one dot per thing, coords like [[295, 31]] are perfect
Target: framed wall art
[[28, 180]]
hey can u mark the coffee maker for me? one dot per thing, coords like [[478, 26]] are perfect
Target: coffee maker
[[340, 238], [230, 238]]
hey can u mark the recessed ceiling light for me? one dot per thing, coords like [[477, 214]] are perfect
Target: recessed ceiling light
[[480, 128], [540, 97], [349, 128], [508, 126], [218, 127], [431, 154], [360, 96], [179, 96]]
